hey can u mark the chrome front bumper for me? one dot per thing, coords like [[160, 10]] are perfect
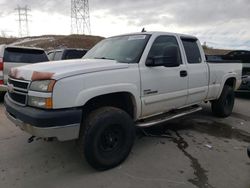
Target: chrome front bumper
[[62, 133]]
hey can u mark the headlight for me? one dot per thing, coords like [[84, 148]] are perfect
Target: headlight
[[40, 102], [43, 85]]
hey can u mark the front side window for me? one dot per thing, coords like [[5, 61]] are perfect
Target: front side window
[[161, 47], [192, 50], [124, 49]]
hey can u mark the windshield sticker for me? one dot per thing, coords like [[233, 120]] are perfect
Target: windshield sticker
[[137, 37]]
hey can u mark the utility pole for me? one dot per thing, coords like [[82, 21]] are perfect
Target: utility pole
[[23, 20], [80, 19]]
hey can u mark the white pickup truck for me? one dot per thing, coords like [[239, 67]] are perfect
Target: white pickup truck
[[139, 79]]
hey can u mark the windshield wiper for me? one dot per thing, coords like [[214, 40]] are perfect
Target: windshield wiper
[[103, 58]]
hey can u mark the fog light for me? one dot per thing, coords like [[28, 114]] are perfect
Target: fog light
[[40, 102]]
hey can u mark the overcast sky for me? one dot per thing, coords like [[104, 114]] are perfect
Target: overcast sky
[[221, 23]]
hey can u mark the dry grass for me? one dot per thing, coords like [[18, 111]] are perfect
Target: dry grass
[[49, 42]]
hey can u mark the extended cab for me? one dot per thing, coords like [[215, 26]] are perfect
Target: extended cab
[[14, 56], [139, 79]]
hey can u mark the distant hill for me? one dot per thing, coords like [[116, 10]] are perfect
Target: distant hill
[[212, 51], [49, 42]]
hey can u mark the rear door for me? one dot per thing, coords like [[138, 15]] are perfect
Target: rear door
[[15, 57], [163, 88], [198, 73]]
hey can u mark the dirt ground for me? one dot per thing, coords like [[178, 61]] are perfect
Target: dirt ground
[[198, 150]]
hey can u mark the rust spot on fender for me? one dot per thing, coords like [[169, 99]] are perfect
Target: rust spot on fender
[[41, 75]]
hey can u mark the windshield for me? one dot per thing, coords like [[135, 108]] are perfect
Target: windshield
[[124, 49]]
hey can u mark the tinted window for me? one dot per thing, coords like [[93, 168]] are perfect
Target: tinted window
[[161, 45], [192, 50], [19, 55], [58, 55], [74, 54]]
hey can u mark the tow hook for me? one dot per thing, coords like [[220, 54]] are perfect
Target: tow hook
[[31, 139], [248, 151]]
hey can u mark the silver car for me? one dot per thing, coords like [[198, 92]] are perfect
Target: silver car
[[14, 56]]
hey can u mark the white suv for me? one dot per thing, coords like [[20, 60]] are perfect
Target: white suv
[[13, 56]]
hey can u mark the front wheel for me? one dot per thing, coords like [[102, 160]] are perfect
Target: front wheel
[[2, 93], [223, 106], [107, 138]]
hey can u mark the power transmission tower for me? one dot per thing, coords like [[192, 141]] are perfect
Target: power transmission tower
[[23, 20], [80, 20]]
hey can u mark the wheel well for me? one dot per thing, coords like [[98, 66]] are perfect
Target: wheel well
[[231, 82], [122, 100]]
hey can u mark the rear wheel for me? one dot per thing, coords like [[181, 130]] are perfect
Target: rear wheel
[[107, 138], [223, 106]]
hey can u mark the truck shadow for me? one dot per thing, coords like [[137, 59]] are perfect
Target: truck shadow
[[243, 95]]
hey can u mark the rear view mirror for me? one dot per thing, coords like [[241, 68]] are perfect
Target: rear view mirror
[[168, 59]]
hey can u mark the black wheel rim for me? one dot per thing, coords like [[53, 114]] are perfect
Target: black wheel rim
[[111, 139]]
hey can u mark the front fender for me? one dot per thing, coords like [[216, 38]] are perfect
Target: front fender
[[85, 95]]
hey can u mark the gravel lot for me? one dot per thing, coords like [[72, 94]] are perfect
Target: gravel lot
[[198, 150]]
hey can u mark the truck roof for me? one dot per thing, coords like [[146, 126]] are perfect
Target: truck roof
[[159, 33]]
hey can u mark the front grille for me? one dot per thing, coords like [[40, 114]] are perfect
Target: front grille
[[19, 84], [18, 90], [21, 99]]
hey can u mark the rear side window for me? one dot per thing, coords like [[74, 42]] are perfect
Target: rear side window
[[74, 54], [19, 55], [192, 51], [50, 55], [58, 55]]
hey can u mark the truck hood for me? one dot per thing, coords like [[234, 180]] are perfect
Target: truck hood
[[60, 69]]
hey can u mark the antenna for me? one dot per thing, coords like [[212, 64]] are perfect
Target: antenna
[[80, 20], [23, 20]]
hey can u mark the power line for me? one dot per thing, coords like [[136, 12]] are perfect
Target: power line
[[80, 19], [23, 20]]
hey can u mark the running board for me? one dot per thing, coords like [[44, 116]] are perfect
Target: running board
[[167, 116]]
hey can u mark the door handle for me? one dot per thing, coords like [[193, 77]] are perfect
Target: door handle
[[183, 73]]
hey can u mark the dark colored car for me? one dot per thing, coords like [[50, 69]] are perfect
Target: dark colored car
[[241, 55], [245, 84], [68, 53]]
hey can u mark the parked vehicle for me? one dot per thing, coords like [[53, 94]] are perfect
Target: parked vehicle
[[215, 58], [68, 53], [139, 79], [241, 55], [13, 56], [245, 85]]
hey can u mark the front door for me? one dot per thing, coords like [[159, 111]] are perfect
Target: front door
[[163, 88]]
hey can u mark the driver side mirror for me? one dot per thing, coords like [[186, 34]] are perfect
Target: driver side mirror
[[168, 59]]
